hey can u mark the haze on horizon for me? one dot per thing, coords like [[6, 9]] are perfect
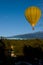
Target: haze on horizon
[[12, 19]]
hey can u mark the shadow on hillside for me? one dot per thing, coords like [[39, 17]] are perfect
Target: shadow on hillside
[[2, 52], [34, 56]]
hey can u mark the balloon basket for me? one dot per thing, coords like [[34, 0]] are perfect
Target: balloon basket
[[33, 28]]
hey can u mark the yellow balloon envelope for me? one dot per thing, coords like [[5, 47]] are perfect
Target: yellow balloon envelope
[[33, 14]]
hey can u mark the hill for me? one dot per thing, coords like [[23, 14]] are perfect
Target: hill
[[36, 35]]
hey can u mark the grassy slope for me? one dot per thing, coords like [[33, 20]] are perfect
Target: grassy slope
[[19, 44]]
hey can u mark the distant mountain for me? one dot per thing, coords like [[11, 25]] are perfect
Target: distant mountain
[[36, 35]]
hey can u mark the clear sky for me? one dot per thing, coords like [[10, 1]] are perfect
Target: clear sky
[[12, 19]]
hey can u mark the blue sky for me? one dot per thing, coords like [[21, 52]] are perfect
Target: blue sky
[[12, 19]]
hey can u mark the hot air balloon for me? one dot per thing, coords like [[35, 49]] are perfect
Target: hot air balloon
[[33, 14]]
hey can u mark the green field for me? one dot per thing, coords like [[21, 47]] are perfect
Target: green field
[[19, 44]]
